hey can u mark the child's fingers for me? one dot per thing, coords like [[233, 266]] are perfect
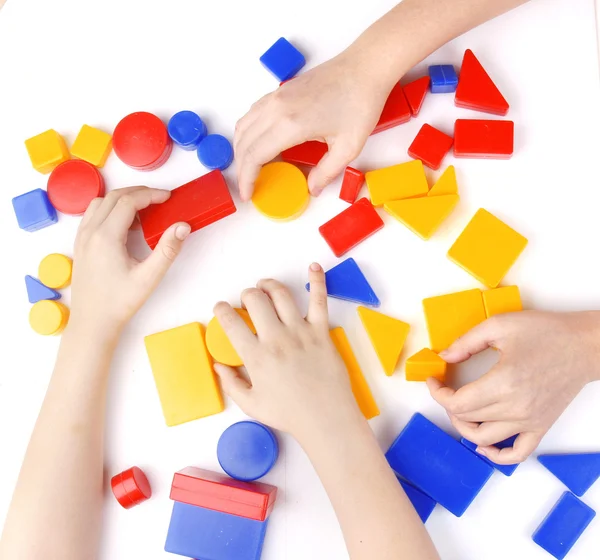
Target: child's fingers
[[236, 329], [477, 340], [261, 311], [487, 433], [317, 299], [90, 212], [282, 299], [340, 154], [234, 385], [525, 444]]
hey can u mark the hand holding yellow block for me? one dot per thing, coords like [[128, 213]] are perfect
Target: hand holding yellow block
[[425, 364], [218, 343]]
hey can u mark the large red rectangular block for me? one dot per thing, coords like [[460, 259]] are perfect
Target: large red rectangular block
[[489, 139], [395, 111], [309, 153]]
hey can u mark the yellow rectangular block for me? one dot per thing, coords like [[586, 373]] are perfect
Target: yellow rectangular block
[[183, 374], [502, 300], [405, 180], [425, 364], [47, 151], [360, 388], [92, 145]]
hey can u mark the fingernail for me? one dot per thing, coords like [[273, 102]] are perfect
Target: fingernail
[[480, 451], [315, 267], [182, 232], [444, 354]]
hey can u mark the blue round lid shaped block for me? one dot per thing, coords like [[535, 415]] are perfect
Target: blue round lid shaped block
[[247, 450], [186, 129], [215, 152]]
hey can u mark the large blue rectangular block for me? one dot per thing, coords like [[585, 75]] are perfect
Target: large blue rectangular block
[[507, 470], [422, 503], [283, 60], [34, 210]]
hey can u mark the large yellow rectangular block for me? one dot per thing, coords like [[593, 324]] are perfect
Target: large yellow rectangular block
[[47, 151], [405, 180], [502, 300], [92, 145]]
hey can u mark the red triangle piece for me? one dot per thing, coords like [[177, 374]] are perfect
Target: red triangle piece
[[415, 93], [395, 111], [476, 90]]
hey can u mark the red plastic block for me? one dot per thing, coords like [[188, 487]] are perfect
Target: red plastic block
[[484, 139], [198, 203], [476, 90], [131, 487], [430, 146], [415, 93], [309, 153], [346, 230], [73, 185], [395, 111], [351, 184], [218, 492]]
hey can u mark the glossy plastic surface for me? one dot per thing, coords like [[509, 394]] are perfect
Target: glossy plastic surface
[[73, 185], [34, 210]]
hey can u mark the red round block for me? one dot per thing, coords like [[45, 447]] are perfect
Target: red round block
[[131, 487], [73, 185]]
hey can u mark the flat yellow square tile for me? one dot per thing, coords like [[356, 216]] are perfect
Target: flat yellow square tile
[[425, 364], [405, 180], [92, 145], [47, 151], [502, 300]]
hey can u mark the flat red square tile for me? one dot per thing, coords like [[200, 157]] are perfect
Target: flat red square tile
[[430, 146]]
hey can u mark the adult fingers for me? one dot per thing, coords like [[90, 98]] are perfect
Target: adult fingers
[[475, 341], [90, 212], [262, 312], [234, 385], [340, 154], [282, 299], [249, 119], [486, 434], [525, 444], [236, 329], [317, 300]]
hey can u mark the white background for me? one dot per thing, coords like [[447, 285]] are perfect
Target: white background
[[67, 62]]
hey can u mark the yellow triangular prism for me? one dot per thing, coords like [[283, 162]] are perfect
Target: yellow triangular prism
[[425, 364], [387, 336], [446, 184]]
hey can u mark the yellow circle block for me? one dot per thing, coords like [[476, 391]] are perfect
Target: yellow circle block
[[48, 317], [281, 192], [55, 271], [218, 344]]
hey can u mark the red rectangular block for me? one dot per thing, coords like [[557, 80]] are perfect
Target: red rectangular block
[[395, 111], [351, 184], [309, 153], [490, 139], [430, 146]]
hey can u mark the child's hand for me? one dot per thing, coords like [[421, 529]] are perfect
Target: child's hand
[[545, 360]]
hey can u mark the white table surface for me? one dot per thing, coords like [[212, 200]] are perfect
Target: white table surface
[[67, 62]]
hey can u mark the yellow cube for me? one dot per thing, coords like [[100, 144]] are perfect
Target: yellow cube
[[47, 151], [502, 300], [425, 364], [92, 145], [405, 180]]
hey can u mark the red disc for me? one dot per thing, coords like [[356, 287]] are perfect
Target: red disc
[[131, 487], [73, 185], [141, 141]]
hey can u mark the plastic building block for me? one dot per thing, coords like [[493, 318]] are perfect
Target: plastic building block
[[396, 110], [443, 78], [55, 271], [502, 300], [507, 470], [281, 192], [422, 503], [215, 152], [218, 344], [476, 90], [247, 450], [415, 93], [351, 184], [425, 364], [405, 180], [577, 471], [430, 146], [283, 60], [36, 291], [198, 203], [562, 527], [484, 139], [360, 387], [183, 374], [309, 153], [92, 145], [73, 185], [142, 142], [387, 335], [446, 184], [131, 487], [438, 465], [34, 210], [218, 492], [424, 215], [48, 317], [450, 316], [47, 151], [487, 248], [186, 129]]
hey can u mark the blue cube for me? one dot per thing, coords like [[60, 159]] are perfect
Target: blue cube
[[34, 210], [507, 470], [283, 60], [443, 78]]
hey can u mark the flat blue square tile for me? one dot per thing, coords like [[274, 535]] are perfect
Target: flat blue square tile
[[283, 60], [34, 210], [507, 470]]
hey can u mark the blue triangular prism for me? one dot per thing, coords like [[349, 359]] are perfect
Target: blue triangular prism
[[576, 471], [36, 291]]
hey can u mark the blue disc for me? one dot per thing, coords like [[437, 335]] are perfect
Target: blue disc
[[215, 152], [187, 129], [247, 450]]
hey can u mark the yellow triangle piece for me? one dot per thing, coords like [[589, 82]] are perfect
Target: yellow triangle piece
[[422, 215], [387, 336], [446, 184], [425, 364]]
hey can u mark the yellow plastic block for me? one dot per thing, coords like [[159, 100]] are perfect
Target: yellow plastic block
[[360, 388], [450, 316], [425, 364], [47, 151], [48, 317], [55, 271], [446, 184], [487, 248], [218, 344], [502, 300], [387, 336], [424, 215], [183, 374], [281, 192], [92, 145], [405, 180]]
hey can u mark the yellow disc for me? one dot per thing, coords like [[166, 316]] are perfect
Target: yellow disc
[[55, 271], [48, 317], [218, 344], [281, 192]]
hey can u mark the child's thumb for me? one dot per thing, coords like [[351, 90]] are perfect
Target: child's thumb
[[340, 154]]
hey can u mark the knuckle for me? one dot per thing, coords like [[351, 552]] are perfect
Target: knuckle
[[320, 299], [224, 313], [126, 200], [250, 294], [169, 252]]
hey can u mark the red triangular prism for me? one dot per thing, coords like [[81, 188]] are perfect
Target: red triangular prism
[[415, 93]]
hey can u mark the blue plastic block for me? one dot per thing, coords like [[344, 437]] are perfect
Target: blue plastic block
[[346, 281], [443, 79], [283, 60], [36, 291], [420, 501], [577, 471], [438, 465], [215, 152], [247, 450], [205, 534], [187, 129], [563, 526], [34, 211], [507, 470]]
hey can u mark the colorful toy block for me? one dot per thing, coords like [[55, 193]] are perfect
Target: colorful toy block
[[562, 527], [502, 300], [443, 78], [484, 139], [387, 335], [48, 317], [283, 60], [476, 90], [577, 471], [309, 153], [198, 203], [92, 145], [438, 465], [446, 184], [215, 152], [487, 248], [47, 151], [396, 110], [281, 192], [507, 470], [36, 291], [55, 271], [425, 364], [183, 373], [405, 180], [34, 210], [416, 92], [430, 146], [73, 185], [360, 387], [187, 130], [218, 343], [131, 487], [450, 316], [423, 504], [351, 184]]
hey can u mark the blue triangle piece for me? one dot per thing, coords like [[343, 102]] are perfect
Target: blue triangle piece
[[506, 470], [346, 281], [422, 503], [577, 471], [36, 291]]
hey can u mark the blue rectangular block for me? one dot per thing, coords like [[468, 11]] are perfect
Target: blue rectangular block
[[506, 470], [283, 60], [422, 503], [438, 465], [443, 78], [34, 210], [563, 526]]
